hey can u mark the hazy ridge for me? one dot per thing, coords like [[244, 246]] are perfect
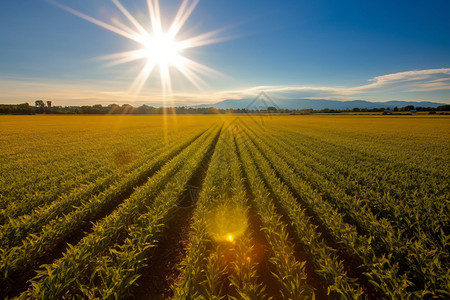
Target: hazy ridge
[[314, 104]]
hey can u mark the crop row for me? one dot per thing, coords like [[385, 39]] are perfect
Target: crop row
[[344, 234], [110, 187], [19, 258], [218, 260], [68, 176], [59, 173], [45, 159], [269, 191], [87, 259], [381, 236], [407, 197]]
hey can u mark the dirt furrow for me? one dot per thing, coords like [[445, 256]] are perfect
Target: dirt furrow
[[158, 277]]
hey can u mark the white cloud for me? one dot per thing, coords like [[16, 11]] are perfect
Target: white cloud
[[402, 84], [281, 91], [410, 78], [16, 90]]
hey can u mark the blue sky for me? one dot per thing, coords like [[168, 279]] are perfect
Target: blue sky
[[346, 50]]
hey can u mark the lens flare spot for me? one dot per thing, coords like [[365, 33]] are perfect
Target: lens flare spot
[[227, 222]]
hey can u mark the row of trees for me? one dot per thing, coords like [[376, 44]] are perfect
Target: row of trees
[[127, 109], [18, 109], [407, 108], [420, 108], [42, 107]]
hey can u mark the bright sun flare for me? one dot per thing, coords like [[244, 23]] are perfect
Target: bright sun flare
[[158, 48], [162, 49]]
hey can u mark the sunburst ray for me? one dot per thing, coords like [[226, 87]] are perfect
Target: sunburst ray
[[159, 48]]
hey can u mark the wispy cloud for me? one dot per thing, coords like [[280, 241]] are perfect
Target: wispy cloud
[[62, 92], [406, 84], [401, 82], [409, 80], [30, 89], [284, 92]]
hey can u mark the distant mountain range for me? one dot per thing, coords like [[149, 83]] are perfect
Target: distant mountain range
[[260, 104]]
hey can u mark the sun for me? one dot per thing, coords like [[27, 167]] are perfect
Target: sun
[[158, 48], [162, 49]]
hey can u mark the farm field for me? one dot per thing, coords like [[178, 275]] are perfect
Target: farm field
[[225, 206]]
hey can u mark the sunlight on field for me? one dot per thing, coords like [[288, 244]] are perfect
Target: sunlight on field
[[414, 140], [44, 153], [257, 188]]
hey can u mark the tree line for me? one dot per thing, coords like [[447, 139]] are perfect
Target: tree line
[[47, 107]]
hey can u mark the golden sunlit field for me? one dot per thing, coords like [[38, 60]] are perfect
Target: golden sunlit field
[[225, 207]]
